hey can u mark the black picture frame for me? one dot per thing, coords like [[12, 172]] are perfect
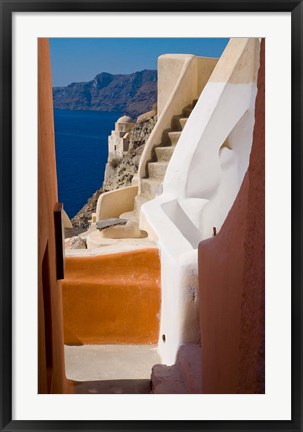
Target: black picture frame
[[7, 8]]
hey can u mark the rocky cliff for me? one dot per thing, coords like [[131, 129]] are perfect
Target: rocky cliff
[[123, 173], [132, 94]]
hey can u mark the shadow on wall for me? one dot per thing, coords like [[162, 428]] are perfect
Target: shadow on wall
[[132, 386]]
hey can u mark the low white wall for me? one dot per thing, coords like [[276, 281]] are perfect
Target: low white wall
[[114, 203], [202, 180]]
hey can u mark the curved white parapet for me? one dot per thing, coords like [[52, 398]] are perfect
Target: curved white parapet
[[201, 183]]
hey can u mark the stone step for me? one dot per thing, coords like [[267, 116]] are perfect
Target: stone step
[[183, 377], [130, 216], [110, 368], [164, 153], [176, 123], [167, 380], [157, 170], [173, 137], [187, 111], [151, 188], [183, 121]]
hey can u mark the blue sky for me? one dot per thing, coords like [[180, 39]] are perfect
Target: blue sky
[[75, 59]]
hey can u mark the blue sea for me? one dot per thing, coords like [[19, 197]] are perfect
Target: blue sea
[[81, 154]]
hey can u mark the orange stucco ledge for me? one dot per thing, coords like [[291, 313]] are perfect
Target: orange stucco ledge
[[112, 298]]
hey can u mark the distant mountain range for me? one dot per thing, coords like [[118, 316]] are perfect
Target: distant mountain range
[[132, 94]]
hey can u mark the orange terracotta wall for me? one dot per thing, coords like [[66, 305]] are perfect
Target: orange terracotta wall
[[232, 281], [113, 298], [51, 377]]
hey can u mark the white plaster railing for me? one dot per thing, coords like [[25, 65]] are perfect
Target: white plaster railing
[[201, 183]]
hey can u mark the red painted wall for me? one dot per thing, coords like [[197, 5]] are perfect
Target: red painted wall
[[51, 376], [232, 281]]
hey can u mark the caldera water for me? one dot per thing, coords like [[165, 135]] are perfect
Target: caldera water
[[81, 154]]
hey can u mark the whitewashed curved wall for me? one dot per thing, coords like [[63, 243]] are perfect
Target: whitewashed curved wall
[[201, 183]]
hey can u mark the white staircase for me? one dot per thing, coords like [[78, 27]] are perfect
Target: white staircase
[[151, 186]]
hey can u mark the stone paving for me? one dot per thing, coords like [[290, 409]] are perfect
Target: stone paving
[[111, 368]]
